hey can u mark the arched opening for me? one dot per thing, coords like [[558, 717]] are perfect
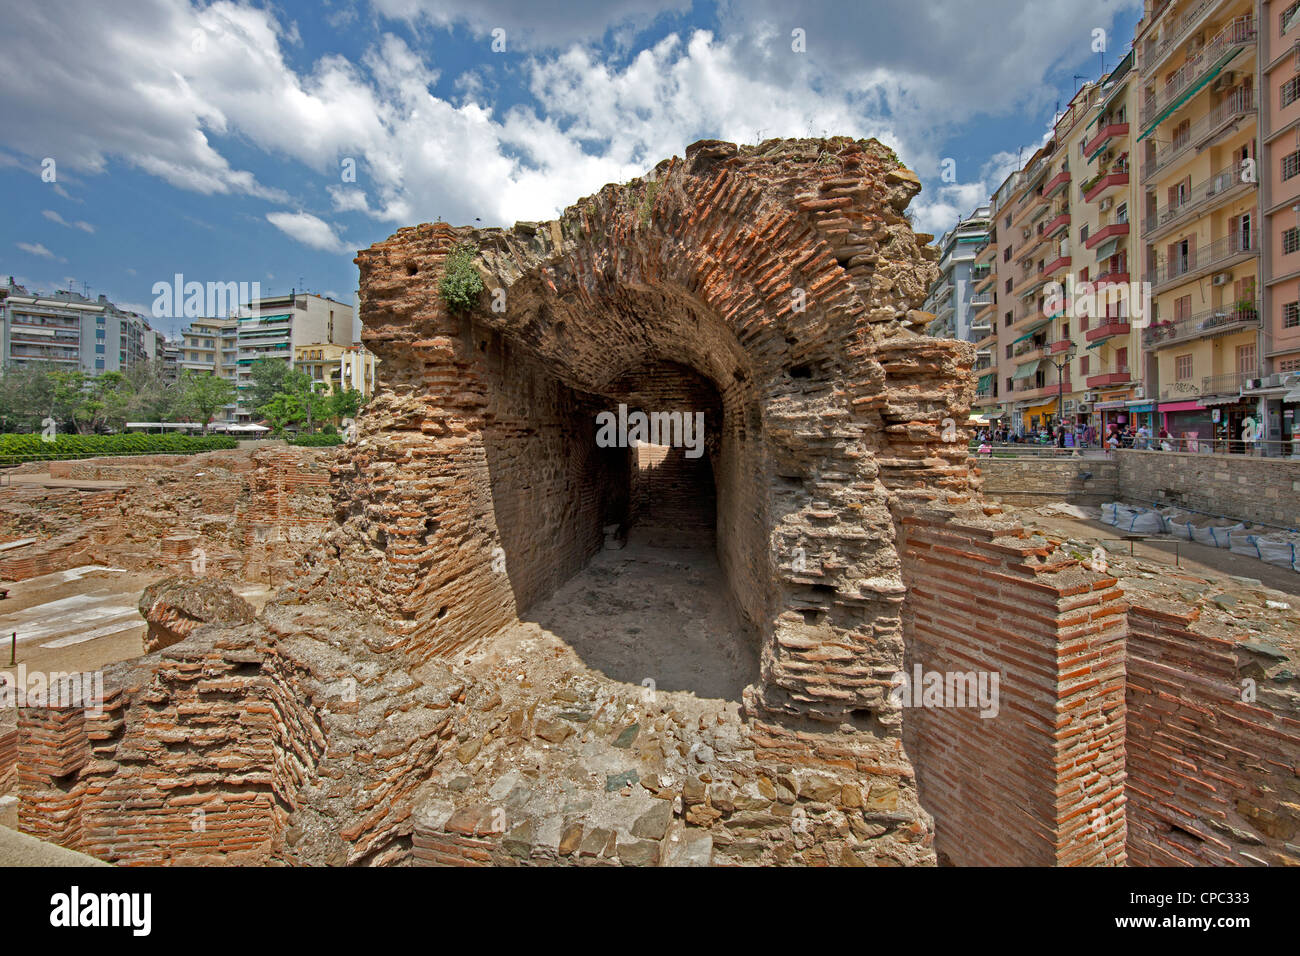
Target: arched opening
[[620, 508]]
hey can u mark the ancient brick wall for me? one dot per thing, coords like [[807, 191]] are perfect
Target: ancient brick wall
[[1039, 779], [1266, 490], [1213, 748]]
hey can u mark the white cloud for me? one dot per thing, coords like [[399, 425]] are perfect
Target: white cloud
[[309, 230], [36, 249], [910, 74], [53, 216]]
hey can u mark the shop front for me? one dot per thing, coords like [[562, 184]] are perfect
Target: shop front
[[1228, 417], [1111, 414], [1142, 413], [1184, 420], [1036, 417]]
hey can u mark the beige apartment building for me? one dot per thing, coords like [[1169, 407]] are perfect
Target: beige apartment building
[[338, 367], [1198, 141], [211, 345]]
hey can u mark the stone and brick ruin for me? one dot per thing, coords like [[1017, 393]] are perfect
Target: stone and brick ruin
[[409, 697]]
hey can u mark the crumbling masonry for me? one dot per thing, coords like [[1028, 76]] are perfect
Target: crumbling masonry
[[772, 288]]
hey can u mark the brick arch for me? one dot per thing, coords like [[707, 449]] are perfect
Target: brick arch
[[831, 411]]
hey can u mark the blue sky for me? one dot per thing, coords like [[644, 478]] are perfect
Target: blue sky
[[212, 139]]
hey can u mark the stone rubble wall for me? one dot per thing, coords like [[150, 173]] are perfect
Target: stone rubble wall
[[1034, 481], [251, 514]]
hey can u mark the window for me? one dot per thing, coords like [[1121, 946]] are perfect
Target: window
[[1065, 331], [1121, 212], [1007, 320], [1291, 315], [1290, 239], [1246, 360], [1288, 18], [1290, 91], [99, 363], [1083, 234], [1182, 308], [1083, 364], [1010, 385], [99, 350], [1008, 351], [1291, 165], [1006, 256], [1183, 367], [99, 333], [1008, 285]]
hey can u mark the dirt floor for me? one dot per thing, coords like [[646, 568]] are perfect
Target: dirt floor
[[650, 614]]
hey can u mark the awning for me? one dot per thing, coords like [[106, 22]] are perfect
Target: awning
[[1188, 94], [1140, 407], [1219, 400], [1029, 333], [1181, 407], [1096, 345], [1293, 395], [1028, 369], [1107, 248], [985, 380]]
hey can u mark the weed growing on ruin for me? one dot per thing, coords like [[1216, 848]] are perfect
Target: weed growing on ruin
[[460, 285], [647, 202]]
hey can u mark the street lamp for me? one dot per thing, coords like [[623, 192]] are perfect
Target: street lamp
[[1061, 365]]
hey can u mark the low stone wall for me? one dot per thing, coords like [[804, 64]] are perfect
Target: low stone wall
[[1264, 490], [1036, 481]]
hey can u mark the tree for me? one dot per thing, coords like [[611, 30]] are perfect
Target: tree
[[26, 396], [283, 410], [344, 404], [204, 394], [153, 398], [267, 380]]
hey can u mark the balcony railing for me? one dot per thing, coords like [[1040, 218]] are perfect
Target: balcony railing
[[1200, 195], [1211, 322], [1116, 175], [1116, 376], [1109, 131], [1217, 253], [1106, 232], [1240, 32], [1154, 53], [1112, 327], [1228, 384], [1239, 103], [981, 299]]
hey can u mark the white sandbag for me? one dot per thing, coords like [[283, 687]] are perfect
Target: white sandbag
[[1279, 552], [1108, 512], [1245, 544], [1180, 527], [1144, 522], [1216, 536]]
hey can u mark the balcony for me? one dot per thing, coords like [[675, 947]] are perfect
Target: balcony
[[1237, 105], [980, 299], [1056, 224], [1228, 384], [1112, 327], [1211, 323], [1219, 188], [1062, 261], [1118, 376], [1199, 67], [1105, 135], [1060, 346], [1042, 391], [1153, 54], [1119, 277], [1218, 255], [1104, 233], [1053, 185], [1096, 187]]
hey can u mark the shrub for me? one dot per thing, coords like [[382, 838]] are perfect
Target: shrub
[[316, 441], [460, 285], [35, 448]]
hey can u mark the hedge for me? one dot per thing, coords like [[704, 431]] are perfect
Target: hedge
[[316, 441], [18, 448]]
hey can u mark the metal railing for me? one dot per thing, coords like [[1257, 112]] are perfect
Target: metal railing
[[1217, 321], [1237, 104], [1219, 251], [1229, 382], [1198, 196], [1241, 31]]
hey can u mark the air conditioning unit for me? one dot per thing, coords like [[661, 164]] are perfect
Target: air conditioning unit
[[1252, 383], [1221, 278], [1139, 391], [1089, 396], [1083, 407], [1105, 204], [1223, 82]]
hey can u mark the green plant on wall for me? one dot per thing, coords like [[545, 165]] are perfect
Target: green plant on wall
[[647, 202], [460, 285]]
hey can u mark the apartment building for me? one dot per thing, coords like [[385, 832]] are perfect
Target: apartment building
[[70, 331], [277, 326], [1278, 391], [211, 346], [1198, 138], [952, 298], [338, 367]]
